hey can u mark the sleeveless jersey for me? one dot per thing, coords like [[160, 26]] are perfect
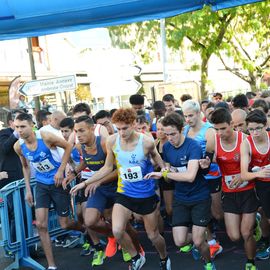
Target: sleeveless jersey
[[229, 164], [41, 160], [214, 171], [86, 173], [259, 159], [132, 167]]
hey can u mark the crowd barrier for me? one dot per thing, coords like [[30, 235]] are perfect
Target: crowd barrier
[[25, 235]]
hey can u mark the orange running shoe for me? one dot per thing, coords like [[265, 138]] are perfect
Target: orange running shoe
[[111, 247], [215, 250]]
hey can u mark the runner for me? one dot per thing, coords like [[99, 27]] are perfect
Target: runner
[[255, 160], [239, 200], [131, 151], [203, 132], [37, 148], [192, 202]]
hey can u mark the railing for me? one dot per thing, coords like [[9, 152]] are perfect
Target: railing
[[26, 235]]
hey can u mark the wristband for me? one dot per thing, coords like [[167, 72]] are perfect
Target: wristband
[[165, 174]]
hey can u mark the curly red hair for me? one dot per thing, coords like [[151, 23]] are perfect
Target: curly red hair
[[127, 116]]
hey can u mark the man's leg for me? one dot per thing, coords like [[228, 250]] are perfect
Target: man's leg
[[120, 218], [181, 236], [151, 227], [247, 228], [232, 223], [42, 227], [198, 237]]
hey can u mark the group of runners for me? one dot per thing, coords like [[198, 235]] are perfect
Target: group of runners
[[205, 162]]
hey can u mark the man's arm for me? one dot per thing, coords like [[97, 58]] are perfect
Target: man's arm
[[245, 159], [26, 173]]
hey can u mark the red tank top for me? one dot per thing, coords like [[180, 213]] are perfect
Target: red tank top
[[229, 164], [259, 159]]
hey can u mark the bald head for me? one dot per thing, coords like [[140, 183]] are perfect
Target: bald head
[[56, 118], [239, 120]]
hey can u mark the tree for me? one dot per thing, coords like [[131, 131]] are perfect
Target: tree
[[205, 29], [247, 42], [83, 92]]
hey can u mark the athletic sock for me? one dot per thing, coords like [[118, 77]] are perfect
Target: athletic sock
[[135, 258], [98, 247], [251, 261]]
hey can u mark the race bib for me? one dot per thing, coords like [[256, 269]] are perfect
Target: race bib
[[43, 166], [228, 179], [87, 174], [133, 174]]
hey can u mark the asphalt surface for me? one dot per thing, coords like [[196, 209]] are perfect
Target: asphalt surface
[[232, 257]]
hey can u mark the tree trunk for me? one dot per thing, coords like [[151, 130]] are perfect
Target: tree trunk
[[204, 76]]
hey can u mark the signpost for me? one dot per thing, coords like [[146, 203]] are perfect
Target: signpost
[[47, 86]]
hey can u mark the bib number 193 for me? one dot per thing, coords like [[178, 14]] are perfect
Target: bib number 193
[[132, 174]]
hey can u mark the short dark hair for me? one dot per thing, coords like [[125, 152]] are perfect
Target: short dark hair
[[81, 107], [222, 104], [67, 122], [136, 99], [185, 97], [221, 115], [261, 103], [25, 117], [265, 94], [85, 118], [112, 111], [102, 114], [210, 105], [12, 114], [159, 105], [141, 119], [240, 101], [217, 94], [168, 97], [256, 116], [42, 115], [250, 95], [173, 119]]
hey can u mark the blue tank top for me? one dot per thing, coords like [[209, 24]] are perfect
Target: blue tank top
[[214, 171], [42, 160], [132, 167], [97, 161]]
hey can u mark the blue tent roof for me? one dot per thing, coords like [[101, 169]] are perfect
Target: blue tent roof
[[26, 18]]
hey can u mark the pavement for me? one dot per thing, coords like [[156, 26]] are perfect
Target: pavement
[[232, 258]]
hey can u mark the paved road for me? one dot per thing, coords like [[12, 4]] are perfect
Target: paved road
[[231, 259]]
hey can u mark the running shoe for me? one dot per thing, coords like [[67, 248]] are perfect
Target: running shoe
[[138, 264], [250, 266], [98, 258], [71, 242], [186, 248], [111, 247], [126, 256], [52, 268], [86, 249], [196, 254], [263, 251], [215, 250], [209, 266], [257, 233], [165, 265]]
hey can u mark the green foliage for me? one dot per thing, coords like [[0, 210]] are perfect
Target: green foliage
[[240, 33]]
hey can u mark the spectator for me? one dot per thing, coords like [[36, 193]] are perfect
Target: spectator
[[217, 97]]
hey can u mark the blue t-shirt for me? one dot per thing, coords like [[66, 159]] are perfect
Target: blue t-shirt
[[179, 157]]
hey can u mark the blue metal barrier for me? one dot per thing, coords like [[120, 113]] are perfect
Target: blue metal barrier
[[23, 217]]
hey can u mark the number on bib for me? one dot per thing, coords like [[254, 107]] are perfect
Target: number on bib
[[132, 174], [43, 166]]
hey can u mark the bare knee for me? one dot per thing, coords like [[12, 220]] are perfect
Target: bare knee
[[41, 226], [118, 233], [90, 223], [234, 236], [246, 234]]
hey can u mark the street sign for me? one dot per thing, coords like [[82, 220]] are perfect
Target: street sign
[[48, 86], [114, 88]]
